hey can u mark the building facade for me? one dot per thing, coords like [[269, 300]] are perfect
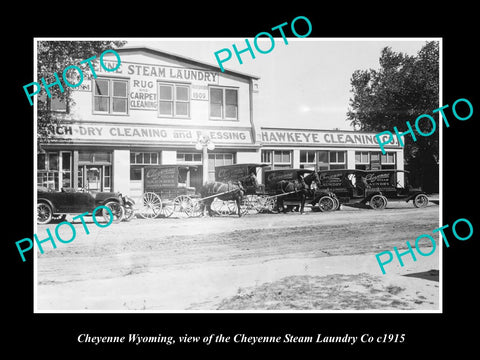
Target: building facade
[[154, 108]]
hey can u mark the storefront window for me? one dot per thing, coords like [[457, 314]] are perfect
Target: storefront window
[[66, 170], [191, 158], [362, 160], [277, 159], [53, 161], [361, 157], [266, 156], [307, 159], [218, 160], [94, 157], [388, 160], [337, 160], [54, 170], [95, 170], [41, 162], [138, 160], [374, 160]]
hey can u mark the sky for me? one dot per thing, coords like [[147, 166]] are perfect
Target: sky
[[303, 84]]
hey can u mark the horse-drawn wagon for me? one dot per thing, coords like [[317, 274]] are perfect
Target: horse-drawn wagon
[[289, 188], [166, 192], [254, 193]]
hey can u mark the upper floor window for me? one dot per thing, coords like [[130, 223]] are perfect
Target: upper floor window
[[110, 96], [174, 100], [223, 103]]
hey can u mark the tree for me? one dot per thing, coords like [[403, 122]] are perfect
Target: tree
[[404, 88], [54, 57]]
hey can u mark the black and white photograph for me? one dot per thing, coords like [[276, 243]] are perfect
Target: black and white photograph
[[257, 188]]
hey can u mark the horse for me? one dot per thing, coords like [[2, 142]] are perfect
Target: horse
[[286, 186], [302, 186], [232, 190]]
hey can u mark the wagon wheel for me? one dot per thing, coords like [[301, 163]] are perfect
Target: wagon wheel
[[185, 206], [420, 201], [181, 204], [250, 205], [326, 203], [167, 209], [222, 207], [151, 205], [118, 212], [245, 207], [270, 204], [260, 203], [195, 209], [378, 202]]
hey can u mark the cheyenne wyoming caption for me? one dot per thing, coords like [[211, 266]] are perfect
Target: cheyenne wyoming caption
[[138, 339]]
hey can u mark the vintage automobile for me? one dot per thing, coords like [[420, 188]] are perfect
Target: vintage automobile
[[56, 204], [372, 187], [387, 183]]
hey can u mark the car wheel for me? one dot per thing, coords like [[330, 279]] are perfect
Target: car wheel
[[117, 210], [378, 202], [326, 203], [420, 201], [44, 213], [129, 213]]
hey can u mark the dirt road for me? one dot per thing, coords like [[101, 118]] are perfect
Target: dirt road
[[316, 261]]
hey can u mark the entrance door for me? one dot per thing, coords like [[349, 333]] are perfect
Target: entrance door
[[196, 178], [136, 183], [93, 178]]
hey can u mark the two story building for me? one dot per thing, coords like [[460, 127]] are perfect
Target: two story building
[[154, 108]]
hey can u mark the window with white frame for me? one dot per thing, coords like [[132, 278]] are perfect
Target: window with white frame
[[387, 160], [308, 159], [110, 96], [277, 159], [337, 160], [362, 157], [144, 158], [223, 103], [189, 158], [174, 100], [218, 159], [138, 160]]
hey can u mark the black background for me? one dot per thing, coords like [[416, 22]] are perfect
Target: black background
[[55, 335]]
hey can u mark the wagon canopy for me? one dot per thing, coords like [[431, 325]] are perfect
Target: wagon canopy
[[339, 178], [272, 177], [236, 172], [382, 178], [161, 177]]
